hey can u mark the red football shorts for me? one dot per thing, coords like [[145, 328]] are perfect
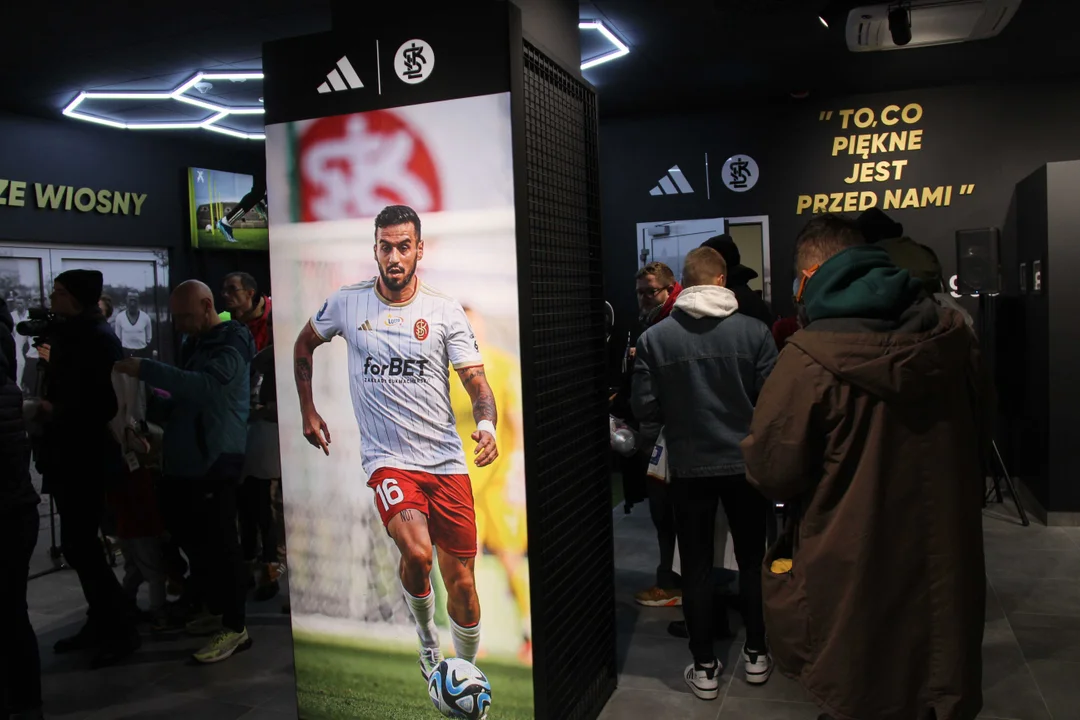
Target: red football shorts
[[446, 500]]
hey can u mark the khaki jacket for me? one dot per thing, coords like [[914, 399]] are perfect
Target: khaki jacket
[[875, 438]]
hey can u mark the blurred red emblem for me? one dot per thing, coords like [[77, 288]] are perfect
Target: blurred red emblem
[[352, 166], [420, 330]]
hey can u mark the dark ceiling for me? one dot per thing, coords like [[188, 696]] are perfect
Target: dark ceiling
[[685, 55], [696, 54], [50, 51]]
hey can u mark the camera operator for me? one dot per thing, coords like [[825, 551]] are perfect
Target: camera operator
[[79, 456]]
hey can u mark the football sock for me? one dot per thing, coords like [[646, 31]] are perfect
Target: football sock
[[423, 611], [466, 640], [519, 586]]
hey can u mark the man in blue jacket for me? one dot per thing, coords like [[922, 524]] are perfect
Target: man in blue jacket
[[203, 456], [699, 372]]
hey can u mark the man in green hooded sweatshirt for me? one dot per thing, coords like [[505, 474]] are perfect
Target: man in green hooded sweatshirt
[[872, 426]]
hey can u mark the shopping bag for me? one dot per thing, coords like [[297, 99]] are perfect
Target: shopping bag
[[658, 461]]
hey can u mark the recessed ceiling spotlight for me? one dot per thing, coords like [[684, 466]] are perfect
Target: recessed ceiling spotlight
[[620, 50], [218, 112]]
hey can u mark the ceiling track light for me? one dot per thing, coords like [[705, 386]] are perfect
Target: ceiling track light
[[621, 48], [219, 112], [900, 23]]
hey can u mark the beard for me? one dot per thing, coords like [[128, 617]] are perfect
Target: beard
[[397, 284]]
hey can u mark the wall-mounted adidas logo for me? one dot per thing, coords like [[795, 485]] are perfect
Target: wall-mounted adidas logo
[[336, 83], [673, 183], [366, 327]]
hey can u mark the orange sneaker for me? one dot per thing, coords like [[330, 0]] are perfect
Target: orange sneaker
[[658, 597]]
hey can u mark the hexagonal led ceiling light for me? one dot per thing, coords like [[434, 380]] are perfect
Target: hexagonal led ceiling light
[[620, 50], [217, 112]]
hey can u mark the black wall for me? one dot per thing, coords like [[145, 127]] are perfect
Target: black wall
[[1062, 262], [992, 136], [71, 152], [1030, 399]]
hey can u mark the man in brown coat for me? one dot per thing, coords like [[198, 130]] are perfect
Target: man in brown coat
[[871, 427]]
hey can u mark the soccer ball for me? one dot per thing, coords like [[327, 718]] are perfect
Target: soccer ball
[[209, 227], [458, 689]]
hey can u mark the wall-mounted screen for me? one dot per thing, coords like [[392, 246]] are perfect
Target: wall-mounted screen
[[228, 210]]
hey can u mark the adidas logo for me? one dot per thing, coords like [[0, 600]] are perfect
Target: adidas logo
[[336, 83], [367, 326], [673, 183]]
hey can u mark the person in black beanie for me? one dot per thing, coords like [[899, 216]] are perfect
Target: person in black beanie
[[739, 277], [79, 457], [20, 665]]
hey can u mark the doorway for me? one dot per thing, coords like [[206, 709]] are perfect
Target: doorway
[[27, 273], [670, 241]]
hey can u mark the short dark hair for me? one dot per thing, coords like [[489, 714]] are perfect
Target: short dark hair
[[823, 237], [660, 271], [246, 280], [397, 215]]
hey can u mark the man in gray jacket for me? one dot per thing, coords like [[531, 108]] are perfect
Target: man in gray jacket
[[699, 372]]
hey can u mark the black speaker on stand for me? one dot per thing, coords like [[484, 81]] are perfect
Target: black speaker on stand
[[978, 271]]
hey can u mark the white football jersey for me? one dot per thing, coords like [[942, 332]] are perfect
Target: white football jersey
[[399, 374]]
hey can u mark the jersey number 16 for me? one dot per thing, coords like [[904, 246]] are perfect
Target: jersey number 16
[[389, 493]]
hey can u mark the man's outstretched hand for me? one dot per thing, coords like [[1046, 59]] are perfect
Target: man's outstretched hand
[[316, 432]]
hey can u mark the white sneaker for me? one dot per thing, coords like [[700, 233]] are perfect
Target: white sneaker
[[758, 665], [430, 657], [704, 680]]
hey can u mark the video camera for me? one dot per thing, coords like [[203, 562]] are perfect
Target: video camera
[[39, 326]]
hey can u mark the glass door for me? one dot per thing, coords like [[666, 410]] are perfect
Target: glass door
[[24, 283], [137, 283], [136, 280], [670, 241]]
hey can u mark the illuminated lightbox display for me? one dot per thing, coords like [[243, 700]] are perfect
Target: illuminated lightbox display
[[394, 264]]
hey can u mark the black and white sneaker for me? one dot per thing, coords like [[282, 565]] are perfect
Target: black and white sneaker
[[758, 666], [704, 680]]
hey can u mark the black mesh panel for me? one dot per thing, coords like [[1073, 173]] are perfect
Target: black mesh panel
[[570, 500]]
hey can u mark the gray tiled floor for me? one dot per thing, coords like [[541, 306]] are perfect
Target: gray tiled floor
[[1031, 649], [158, 682], [1031, 656]]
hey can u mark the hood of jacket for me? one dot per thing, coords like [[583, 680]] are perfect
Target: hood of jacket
[[919, 260], [707, 301], [906, 364], [860, 282], [740, 275]]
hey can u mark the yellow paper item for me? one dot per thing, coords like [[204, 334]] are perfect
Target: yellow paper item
[[781, 566]]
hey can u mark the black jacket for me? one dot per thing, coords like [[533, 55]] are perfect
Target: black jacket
[[77, 442], [750, 302]]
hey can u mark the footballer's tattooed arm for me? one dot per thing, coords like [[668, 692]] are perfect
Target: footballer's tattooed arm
[[315, 429], [483, 403]]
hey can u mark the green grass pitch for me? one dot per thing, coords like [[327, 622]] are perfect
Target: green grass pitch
[[337, 680], [246, 239]]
